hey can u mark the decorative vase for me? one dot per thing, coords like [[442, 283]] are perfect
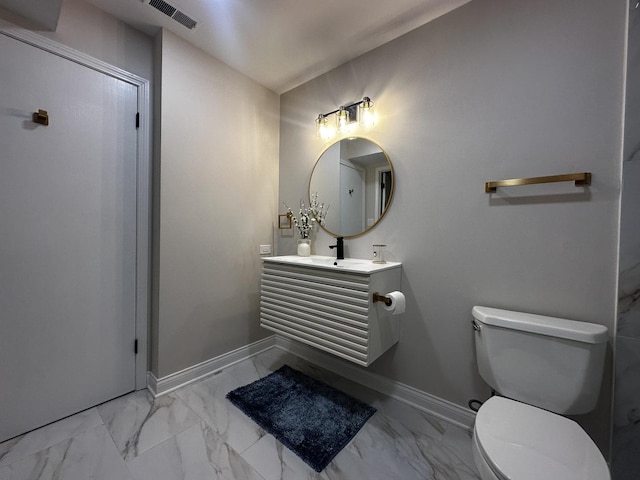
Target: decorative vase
[[304, 247]]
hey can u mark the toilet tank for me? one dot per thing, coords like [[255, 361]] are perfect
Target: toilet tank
[[552, 363]]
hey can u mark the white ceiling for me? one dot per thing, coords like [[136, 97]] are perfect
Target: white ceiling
[[283, 43], [42, 14], [279, 43]]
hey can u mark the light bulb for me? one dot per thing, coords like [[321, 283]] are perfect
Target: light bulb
[[342, 119], [323, 130], [366, 114]]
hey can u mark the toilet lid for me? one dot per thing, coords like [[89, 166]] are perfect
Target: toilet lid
[[523, 442]]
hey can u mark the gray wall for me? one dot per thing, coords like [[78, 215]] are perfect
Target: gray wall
[[85, 28], [495, 89], [626, 425], [215, 203]]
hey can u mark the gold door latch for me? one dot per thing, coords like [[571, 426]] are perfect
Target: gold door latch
[[41, 117]]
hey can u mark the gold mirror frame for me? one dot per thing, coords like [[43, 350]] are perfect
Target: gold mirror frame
[[333, 208]]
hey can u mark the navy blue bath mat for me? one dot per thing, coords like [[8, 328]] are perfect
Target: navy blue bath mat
[[312, 419]]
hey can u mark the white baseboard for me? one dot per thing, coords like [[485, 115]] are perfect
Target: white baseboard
[[163, 385], [439, 408]]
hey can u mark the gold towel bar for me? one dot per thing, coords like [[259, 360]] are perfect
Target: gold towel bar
[[578, 178]]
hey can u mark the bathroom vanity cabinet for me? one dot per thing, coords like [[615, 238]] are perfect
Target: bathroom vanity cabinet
[[330, 307]]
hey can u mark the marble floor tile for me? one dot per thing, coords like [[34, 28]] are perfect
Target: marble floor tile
[[207, 399], [411, 417], [137, 422], [194, 454], [383, 449], [387, 446], [347, 466], [32, 442], [446, 460], [275, 462], [420, 437], [89, 455], [457, 442], [196, 433]]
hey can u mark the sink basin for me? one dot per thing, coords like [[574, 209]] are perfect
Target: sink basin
[[321, 261]]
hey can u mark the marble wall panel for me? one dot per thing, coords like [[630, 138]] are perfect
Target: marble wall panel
[[626, 417]]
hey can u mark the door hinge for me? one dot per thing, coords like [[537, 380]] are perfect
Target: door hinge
[[135, 346], [138, 120]]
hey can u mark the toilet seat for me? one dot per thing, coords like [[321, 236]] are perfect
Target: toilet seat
[[522, 442]]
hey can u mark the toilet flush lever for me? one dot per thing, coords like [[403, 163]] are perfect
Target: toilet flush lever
[[476, 327]]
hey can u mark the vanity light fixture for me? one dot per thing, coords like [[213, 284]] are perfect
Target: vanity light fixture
[[346, 117]]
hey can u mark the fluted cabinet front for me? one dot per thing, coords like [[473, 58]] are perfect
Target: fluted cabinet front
[[330, 309]]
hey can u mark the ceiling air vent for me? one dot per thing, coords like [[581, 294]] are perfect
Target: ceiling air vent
[[173, 12]]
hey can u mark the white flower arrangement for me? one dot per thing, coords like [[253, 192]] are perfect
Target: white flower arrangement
[[308, 215]]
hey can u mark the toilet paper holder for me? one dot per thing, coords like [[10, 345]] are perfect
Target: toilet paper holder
[[381, 298]]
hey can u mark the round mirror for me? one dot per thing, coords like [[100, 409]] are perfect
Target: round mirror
[[354, 179]]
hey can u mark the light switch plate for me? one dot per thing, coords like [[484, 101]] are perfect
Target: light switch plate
[[265, 249]]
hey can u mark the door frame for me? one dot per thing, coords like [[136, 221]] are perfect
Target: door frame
[[143, 181], [379, 197]]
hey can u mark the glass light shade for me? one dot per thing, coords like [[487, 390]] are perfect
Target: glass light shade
[[342, 119], [323, 130], [366, 114]]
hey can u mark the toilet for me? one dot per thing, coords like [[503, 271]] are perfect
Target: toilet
[[542, 368]]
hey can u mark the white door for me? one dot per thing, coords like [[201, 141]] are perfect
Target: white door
[[351, 200], [67, 237]]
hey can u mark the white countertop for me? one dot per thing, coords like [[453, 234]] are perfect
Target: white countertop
[[356, 265]]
